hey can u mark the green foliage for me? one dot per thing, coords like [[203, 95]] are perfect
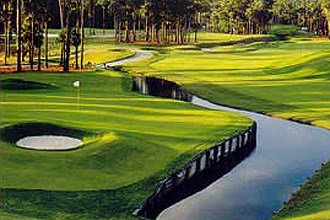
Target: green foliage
[[282, 32]]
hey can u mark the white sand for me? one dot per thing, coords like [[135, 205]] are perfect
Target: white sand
[[49, 142]]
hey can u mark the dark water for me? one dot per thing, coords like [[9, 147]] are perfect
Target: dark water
[[287, 153]]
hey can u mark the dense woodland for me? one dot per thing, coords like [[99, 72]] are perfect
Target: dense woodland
[[152, 21]]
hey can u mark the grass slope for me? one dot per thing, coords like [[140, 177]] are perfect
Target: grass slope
[[137, 140], [288, 79]]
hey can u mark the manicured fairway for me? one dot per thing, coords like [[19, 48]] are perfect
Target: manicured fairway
[[288, 79], [132, 141], [101, 50]]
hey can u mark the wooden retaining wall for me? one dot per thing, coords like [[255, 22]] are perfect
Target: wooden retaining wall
[[205, 168], [159, 88]]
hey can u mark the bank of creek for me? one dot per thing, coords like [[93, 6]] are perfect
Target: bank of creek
[[287, 154]]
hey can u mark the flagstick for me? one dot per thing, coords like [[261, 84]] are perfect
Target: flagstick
[[76, 84], [78, 97]]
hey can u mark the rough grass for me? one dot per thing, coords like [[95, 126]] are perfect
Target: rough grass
[[135, 143], [288, 79]]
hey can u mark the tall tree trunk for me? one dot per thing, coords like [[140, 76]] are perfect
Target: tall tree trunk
[[134, 27], [46, 45], [196, 27], [328, 31], [147, 28], [126, 28], [152, 33], [19, 38], [66, 67], [103, 19], [116, 24], [6, 40], [77, 63], [139, 26], [189, 30], [62, 29], [94, 19], [78, 26], [39, 58], [61, 14], [32, 44], [10, 36], [82, 29], [90, 19]]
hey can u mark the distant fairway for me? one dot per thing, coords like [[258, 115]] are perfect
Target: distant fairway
[[131, 142], [288, 79]]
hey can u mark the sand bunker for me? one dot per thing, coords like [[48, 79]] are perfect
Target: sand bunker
[[49, 142]]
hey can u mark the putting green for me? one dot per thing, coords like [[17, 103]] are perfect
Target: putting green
[[131, 141]]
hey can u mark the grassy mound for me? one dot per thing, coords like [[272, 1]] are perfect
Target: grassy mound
[[20, 84]]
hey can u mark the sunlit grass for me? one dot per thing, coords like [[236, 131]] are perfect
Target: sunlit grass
[[262, 77], [137, 140]]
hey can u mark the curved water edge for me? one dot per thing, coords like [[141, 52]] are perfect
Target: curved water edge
[[288, 153]]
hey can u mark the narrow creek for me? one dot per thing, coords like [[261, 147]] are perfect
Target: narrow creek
[[287, 154]]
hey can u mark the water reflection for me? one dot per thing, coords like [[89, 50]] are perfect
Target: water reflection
[[160, 88], [287, 154]]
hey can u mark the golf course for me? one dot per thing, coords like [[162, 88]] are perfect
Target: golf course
[[132, 141], [167, 109]]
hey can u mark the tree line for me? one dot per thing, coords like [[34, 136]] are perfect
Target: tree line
[[154, 21]]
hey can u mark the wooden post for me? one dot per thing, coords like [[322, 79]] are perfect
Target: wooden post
[[238, 145], [198, 164], [230, 146], [187, 172], [174, 178], [207, 159], [215, 154], [223, 150], [243, 140]]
